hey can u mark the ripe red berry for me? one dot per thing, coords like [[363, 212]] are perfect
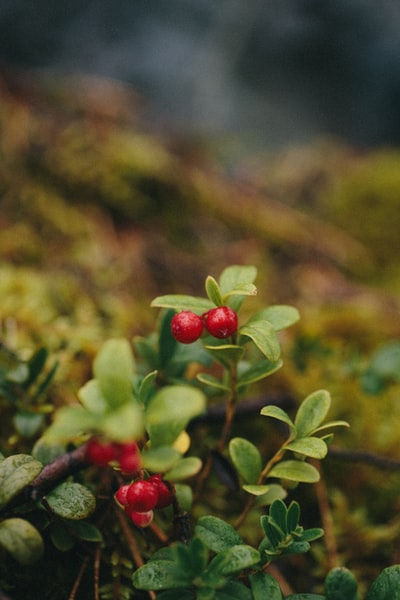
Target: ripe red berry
[[186, 327], [129, 458], [164, 493], [120, 494], [140, 519], [101, 453], [221, 322], [142, 496]]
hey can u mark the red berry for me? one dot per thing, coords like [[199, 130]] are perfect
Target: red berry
[[164, 493], [142, 496], [221, 322], [140, 519], [186, 327], [129, 458], [120, 495], [101, 453]]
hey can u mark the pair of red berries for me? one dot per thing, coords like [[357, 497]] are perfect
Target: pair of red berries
[[220, 322], [140, 498], [125, 455]]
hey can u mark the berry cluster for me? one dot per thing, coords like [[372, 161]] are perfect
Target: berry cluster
[[141, 497], [220, 322], [124, 455]]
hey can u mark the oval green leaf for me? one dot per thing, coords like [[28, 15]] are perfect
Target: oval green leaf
[[295, 470], [216, 534], [280, 316], [246, 458], [213, 291], [235, 275], [263, 586], [160, 575], [309, 446], [161, 459], [22, 540], [16, 472], [260, 370], [387, 585], [277, 413], [113, 367], [186, 467], [311, 412], [182, 302], [263, 335], [71, 501]]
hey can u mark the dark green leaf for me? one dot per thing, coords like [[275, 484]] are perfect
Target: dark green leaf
[[160, 575], [293, 516], [340, 583], [278, 513], [216, 534], [71, 501], [167, 344], [85, 531], [260, 370], [309, 535], [60, 537], [233, 590], [35, 366], [235, 559], [264, 586], [387, 585]]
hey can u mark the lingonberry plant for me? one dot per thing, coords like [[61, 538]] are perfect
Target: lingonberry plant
[[134, 427]]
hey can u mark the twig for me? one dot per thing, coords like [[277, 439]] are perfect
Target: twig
[[79, 578], [364, 456], [326, 517]]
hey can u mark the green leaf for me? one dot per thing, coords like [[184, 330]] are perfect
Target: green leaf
[[244, 289], [226, 354], [234, 590], [246, 458], [309, 446], [309, 535], [274, 492], [123, 424], [295, 470], [331, 424], [235, 559], [22, 540], [186, 467], [263, 335], [235, 275], [147, 387], [306, 597], [161, 459], [170, 410], [260, 370], [312, 411], [213, 291], [216, 534], [160, 575], [280, 316], [277, 413], [167, 344], [27, 423], [278, 513], [292, 516], [387, 585], [113, 367], [212, 381], [340, 583], [257, 490], [264, 586], [182, 302], [71, 501], [60, 537], [184, 494], [16, 472], [71, 422], [296, 548], [91, 397], [198, 555], [85, 531]]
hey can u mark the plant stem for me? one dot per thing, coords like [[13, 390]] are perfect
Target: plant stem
[[230, 409]]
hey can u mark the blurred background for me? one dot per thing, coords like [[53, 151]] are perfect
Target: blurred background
[[268, 71]]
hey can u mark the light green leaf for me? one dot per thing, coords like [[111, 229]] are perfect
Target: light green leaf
[[257, 490], [27, 423], [22, 540], [246, 458], [277, 413], [260, 370], [311, 412], [331, 424], [71, 501], [295, 470], [113, 367], [182, 302], [244, 289], [184, 494], [92, 399], [186, 467], [71, 422], [146, 387], [275, 492], [124, 424], [235, 275], [16, 472], [280, 316], [170, 410], [263, 335], [213, 291], [216, 533], [161, 459], [309, 446]]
